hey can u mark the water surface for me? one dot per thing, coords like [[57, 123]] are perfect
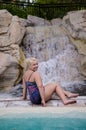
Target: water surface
[[41, 121]]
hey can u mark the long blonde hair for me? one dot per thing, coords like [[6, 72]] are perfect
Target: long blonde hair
[[28, 62]]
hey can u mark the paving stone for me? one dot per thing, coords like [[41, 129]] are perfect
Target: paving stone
[[3, 104], [52, 103], [19, 103]]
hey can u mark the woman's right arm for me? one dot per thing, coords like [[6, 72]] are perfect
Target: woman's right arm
[[24, 90]]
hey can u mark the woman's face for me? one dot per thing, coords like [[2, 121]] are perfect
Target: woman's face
[[34, 66]]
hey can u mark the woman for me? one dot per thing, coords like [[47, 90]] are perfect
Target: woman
[[40, 94]]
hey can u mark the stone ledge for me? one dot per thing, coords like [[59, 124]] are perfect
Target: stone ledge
[[17, 102]]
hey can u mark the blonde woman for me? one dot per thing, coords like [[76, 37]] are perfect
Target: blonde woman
[[40, 94]]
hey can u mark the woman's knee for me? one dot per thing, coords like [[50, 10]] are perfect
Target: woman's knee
[[54, 84]]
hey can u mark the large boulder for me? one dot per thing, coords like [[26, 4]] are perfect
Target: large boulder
[[9, 71], [5, 18], [36, 21], [12, 58], [75, 25]]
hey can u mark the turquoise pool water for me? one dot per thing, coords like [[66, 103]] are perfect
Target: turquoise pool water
[[28, 121]]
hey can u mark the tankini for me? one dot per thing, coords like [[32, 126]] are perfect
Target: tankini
[[33, 92]]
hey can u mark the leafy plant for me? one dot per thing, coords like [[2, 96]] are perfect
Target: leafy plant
[[14, 10]]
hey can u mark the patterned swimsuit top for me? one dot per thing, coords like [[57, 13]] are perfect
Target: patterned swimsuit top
[[29, 83]]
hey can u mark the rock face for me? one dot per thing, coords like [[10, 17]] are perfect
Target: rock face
[[11, 55], [36, 21], [9, 71], [59, 45], [75, 24]]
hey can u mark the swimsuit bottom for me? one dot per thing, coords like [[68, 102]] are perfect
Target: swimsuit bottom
[[33, 92]]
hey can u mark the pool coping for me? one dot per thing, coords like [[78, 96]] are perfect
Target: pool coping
[[53, 110]]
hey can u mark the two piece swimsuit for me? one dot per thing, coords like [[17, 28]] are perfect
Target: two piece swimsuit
[[33, 91]]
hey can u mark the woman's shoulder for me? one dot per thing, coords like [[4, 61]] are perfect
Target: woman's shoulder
[[36, 72], [27, 73]]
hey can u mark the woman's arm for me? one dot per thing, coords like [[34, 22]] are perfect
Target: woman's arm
[[39, 83], [24, 90]]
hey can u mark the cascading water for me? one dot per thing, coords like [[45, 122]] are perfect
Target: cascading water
[[61, 68]]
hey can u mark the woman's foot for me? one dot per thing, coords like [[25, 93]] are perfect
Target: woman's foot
[[70, 95], [68, 101]]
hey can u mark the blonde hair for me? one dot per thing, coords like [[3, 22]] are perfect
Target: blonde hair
[[28, 62]]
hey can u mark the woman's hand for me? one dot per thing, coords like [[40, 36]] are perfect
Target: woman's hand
[[43, 103], [23, 98]]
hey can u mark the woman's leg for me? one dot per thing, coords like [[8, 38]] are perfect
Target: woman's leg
[[49, 90], [69, 94], [53, 87], [61, 94]]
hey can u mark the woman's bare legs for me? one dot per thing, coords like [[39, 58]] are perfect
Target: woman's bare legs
[[53, 87], [69, 94], [61, 94]]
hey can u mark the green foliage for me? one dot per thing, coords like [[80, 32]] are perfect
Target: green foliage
[[54, 1], [46, 1], [14, 10], [45, 11]]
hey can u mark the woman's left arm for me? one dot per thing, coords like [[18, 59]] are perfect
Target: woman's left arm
[[24, 90]]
